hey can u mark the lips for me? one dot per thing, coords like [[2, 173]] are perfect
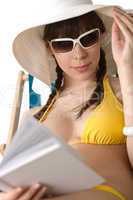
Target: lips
[[82, 66]]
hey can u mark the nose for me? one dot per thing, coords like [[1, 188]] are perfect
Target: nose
[[79, 53]]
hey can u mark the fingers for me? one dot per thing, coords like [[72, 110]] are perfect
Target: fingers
[[41, 193], [124, 22], [12, 195], [116, 33], [126, 16], [35, 192], [29, 193]]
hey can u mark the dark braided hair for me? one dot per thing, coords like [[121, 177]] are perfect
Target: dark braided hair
[[57, 86], [72, 28]]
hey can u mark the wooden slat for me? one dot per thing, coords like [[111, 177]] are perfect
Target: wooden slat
[[2, 148], [15, 113]]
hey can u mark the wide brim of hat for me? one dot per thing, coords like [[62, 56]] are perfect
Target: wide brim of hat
[[31, 52]]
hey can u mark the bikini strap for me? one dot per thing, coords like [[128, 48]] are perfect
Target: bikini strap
[[45, 114], [105, 86]]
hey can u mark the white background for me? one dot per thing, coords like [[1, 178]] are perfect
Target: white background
[[9, 67]]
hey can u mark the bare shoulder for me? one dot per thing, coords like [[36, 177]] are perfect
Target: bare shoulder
[[115, 85]]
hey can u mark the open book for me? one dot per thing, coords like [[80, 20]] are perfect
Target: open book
[[38, 155]]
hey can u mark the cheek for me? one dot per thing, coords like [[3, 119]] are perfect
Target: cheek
[[63, 61]]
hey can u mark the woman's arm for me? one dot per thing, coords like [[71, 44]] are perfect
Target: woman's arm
[[125, 96], [130, 149], [127, 93], [115, 83], [122, 47]]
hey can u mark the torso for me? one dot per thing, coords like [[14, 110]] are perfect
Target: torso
[[62, 119], [64, 123]]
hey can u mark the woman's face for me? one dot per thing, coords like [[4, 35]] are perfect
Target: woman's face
[[80, 63]]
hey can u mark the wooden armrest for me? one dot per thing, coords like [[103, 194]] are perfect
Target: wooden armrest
[[2, 148]]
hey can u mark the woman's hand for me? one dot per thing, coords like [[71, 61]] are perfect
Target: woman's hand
[[122, 39], [35, 192]]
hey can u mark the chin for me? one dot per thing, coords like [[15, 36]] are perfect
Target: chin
[[87, 76], [82, 78]]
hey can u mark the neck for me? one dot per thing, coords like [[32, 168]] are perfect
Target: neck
[[72, 86]]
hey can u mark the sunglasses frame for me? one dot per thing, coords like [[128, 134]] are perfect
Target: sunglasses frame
[[77, 40]]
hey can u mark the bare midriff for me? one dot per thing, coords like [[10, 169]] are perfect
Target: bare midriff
[[111, 162]]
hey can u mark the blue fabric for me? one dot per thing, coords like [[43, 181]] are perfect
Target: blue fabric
[[34, 98]]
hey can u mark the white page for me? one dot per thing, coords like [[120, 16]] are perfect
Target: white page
[[30, 132], [49, 160]]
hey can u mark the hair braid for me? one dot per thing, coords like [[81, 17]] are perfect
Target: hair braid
[[57, 86], [97, 95]]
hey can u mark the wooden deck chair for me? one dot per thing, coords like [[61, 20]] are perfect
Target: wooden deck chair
[[34, 100]]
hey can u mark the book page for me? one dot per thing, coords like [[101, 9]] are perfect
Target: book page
[[30, 133]]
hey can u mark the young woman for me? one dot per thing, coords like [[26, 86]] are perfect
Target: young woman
[[87, 107]]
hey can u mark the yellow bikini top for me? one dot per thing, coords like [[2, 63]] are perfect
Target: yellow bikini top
[[105, 123]]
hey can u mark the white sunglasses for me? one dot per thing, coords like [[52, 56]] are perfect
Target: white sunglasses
[[86, 40]]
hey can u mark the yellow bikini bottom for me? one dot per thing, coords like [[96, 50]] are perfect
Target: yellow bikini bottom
[[111, 190]]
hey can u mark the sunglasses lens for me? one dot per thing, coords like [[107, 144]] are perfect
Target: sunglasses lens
[[62, 46], [90, 39]]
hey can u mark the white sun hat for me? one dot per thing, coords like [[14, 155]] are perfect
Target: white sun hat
[[28, 46]]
